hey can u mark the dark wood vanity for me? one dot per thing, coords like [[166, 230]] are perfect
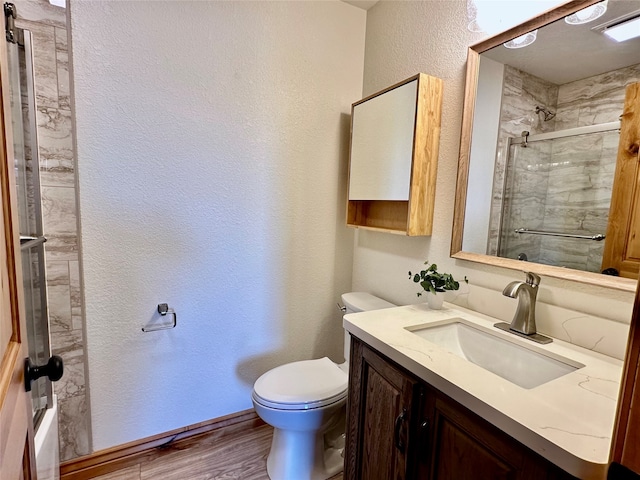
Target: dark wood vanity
[[400, 427]]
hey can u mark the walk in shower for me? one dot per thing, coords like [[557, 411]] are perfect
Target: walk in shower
[[25, 145], [556, 196]]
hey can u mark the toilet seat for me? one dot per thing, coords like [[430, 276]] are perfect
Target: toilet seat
[[302, 385]]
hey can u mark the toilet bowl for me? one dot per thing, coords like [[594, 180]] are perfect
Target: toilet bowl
[[305, 403]]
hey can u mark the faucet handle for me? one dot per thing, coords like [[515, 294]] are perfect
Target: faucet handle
[[532, 279]]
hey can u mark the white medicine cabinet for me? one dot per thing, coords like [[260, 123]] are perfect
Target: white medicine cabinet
[[395, 135]]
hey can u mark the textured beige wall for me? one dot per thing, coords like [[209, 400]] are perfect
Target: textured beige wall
[[212, 144], [404, 38]]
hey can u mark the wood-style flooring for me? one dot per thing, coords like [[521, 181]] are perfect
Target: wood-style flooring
[[241, 456]]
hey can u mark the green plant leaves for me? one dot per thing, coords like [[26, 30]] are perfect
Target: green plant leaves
[[433, 281]]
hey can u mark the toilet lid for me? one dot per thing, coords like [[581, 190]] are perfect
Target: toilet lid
[[301, 383]]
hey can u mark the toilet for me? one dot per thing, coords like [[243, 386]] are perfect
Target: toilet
[[305, 403]]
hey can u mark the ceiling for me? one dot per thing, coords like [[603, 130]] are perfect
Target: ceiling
[[564, 53], [363, 4]]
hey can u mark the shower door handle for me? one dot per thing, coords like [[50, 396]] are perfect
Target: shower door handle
[[53, 369]]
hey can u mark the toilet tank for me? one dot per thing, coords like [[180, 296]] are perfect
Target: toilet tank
[[360, 302]]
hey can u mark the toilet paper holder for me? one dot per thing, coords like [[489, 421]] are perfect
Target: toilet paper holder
[[163, 310]]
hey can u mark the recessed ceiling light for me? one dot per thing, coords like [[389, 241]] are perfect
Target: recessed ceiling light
[[59, 3], [522, 40], [588, 14], [624, 31]]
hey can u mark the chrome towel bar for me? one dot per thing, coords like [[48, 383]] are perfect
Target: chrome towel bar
[[598, 237]]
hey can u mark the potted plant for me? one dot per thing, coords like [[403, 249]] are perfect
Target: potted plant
[[435, 284]]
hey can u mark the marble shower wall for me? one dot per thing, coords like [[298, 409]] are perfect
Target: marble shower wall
[[524, 200], [594, 100], [578, 197], [47, 24], [562, 185], [521, 94], [580, 181]]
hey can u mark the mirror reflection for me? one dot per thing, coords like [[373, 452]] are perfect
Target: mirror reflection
[[545, 144]]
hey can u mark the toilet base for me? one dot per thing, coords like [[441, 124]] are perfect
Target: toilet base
[[307, 455], [306, 444], [296, 455]]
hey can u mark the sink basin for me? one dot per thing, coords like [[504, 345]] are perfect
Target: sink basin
[[514, 362]]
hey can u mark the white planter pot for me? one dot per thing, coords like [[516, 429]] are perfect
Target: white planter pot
[[434, 300]]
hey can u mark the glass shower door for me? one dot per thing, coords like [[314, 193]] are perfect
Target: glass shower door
[[25, 145], [557, 194]]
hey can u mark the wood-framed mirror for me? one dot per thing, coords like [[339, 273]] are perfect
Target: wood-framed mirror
[[548, 139]]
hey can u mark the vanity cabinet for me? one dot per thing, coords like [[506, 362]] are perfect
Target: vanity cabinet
[[399, 427], [378, 417], [395, 136]]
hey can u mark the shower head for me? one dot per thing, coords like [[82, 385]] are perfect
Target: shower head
[[548, 114]]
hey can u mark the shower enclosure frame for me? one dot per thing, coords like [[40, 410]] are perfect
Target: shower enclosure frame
[[31, 226], [524, 141]]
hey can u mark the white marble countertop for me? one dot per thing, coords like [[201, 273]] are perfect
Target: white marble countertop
[[568, 420]]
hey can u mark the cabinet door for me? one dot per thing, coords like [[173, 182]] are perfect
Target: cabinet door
[[395, 135], [378, 417], [463, 445], [382, 131]]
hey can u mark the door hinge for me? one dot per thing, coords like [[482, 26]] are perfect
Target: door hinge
[[10, 14]]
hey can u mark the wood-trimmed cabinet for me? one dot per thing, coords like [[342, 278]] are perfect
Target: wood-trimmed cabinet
[[399, 427], [395, 137]]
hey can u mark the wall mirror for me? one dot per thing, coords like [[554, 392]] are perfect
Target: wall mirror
[[548, 165]]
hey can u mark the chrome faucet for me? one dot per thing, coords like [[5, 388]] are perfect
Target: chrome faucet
[[524, 320]]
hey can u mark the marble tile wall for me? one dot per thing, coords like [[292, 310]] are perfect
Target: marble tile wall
[[47, 24], [564, 185], [578, 198], [583, 168], [594, 100], [522, 92], [525, 192]]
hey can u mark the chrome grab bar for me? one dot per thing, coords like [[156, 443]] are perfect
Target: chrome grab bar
[[163, 310], [598, 237]]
